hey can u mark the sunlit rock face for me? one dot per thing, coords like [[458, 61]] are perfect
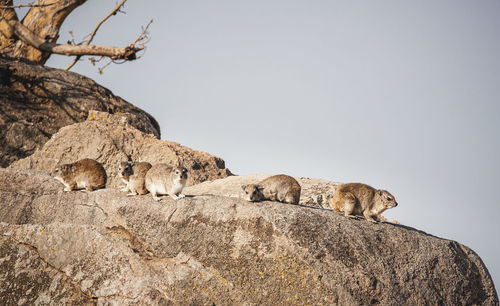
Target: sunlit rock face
[[103, 247]]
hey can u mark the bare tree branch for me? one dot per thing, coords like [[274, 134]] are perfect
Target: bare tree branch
[[143, 37], [34, 38], [25, 5], [7, 15], [44, 19], [113, 12], [141, 40], [127, 53]]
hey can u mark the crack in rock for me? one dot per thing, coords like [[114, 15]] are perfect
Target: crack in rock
[[134, 243], [65, 278]]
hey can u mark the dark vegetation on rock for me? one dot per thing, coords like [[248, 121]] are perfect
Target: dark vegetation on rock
[[36, 101]]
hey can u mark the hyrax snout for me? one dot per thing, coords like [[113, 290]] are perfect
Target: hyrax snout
[[163, 179], [134, 176], [85, 174], [125, 170], [362, 199], [281, 188]]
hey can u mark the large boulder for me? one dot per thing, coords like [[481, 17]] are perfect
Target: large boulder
[[110, 140], [104, 247], [36, 101]]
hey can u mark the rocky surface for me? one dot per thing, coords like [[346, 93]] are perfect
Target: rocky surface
[[106, 248], [36, 101], [110, 140], [315, 192]]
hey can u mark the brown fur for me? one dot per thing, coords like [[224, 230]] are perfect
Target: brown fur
[[362, 199], [133, 175], [281, 188], [85, 174], [164, 179]]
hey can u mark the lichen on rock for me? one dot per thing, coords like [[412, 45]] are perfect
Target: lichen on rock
[[37, 101]]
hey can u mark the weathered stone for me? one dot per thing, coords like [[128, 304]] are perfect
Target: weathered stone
[[36, 101], [104, 247], [110, 140]]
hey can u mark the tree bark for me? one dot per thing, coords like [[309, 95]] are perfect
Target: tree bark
[[6, 33], [47, 47], [44, 22]]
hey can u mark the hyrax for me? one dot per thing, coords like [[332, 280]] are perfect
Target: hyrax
[[134, 175], [85, 174], [361, 199], [281, 188], [165, 179]]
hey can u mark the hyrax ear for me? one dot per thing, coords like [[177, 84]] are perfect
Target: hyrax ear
[[260, 188], [380, 192], [244, 187]]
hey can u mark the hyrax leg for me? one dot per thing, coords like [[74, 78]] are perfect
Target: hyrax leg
[[290, 199], [349, 205], [124, 188], [69, 187], [271, 196], [131, 193], [155, 195], [89, 187], [368, 216], [177, 197]]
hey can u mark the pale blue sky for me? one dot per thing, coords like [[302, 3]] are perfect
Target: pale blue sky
[[402, 95]]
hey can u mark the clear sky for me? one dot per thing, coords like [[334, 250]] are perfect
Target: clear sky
[[402, 95]]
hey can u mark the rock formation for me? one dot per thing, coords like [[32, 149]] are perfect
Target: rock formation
[[105, 248], [36, 101], [315, 192], [209, 248], [110, 140]]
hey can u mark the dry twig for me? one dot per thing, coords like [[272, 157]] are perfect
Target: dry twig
[[141, 41], [25, 5], [127, 53], [113, 12], [38, 41]]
